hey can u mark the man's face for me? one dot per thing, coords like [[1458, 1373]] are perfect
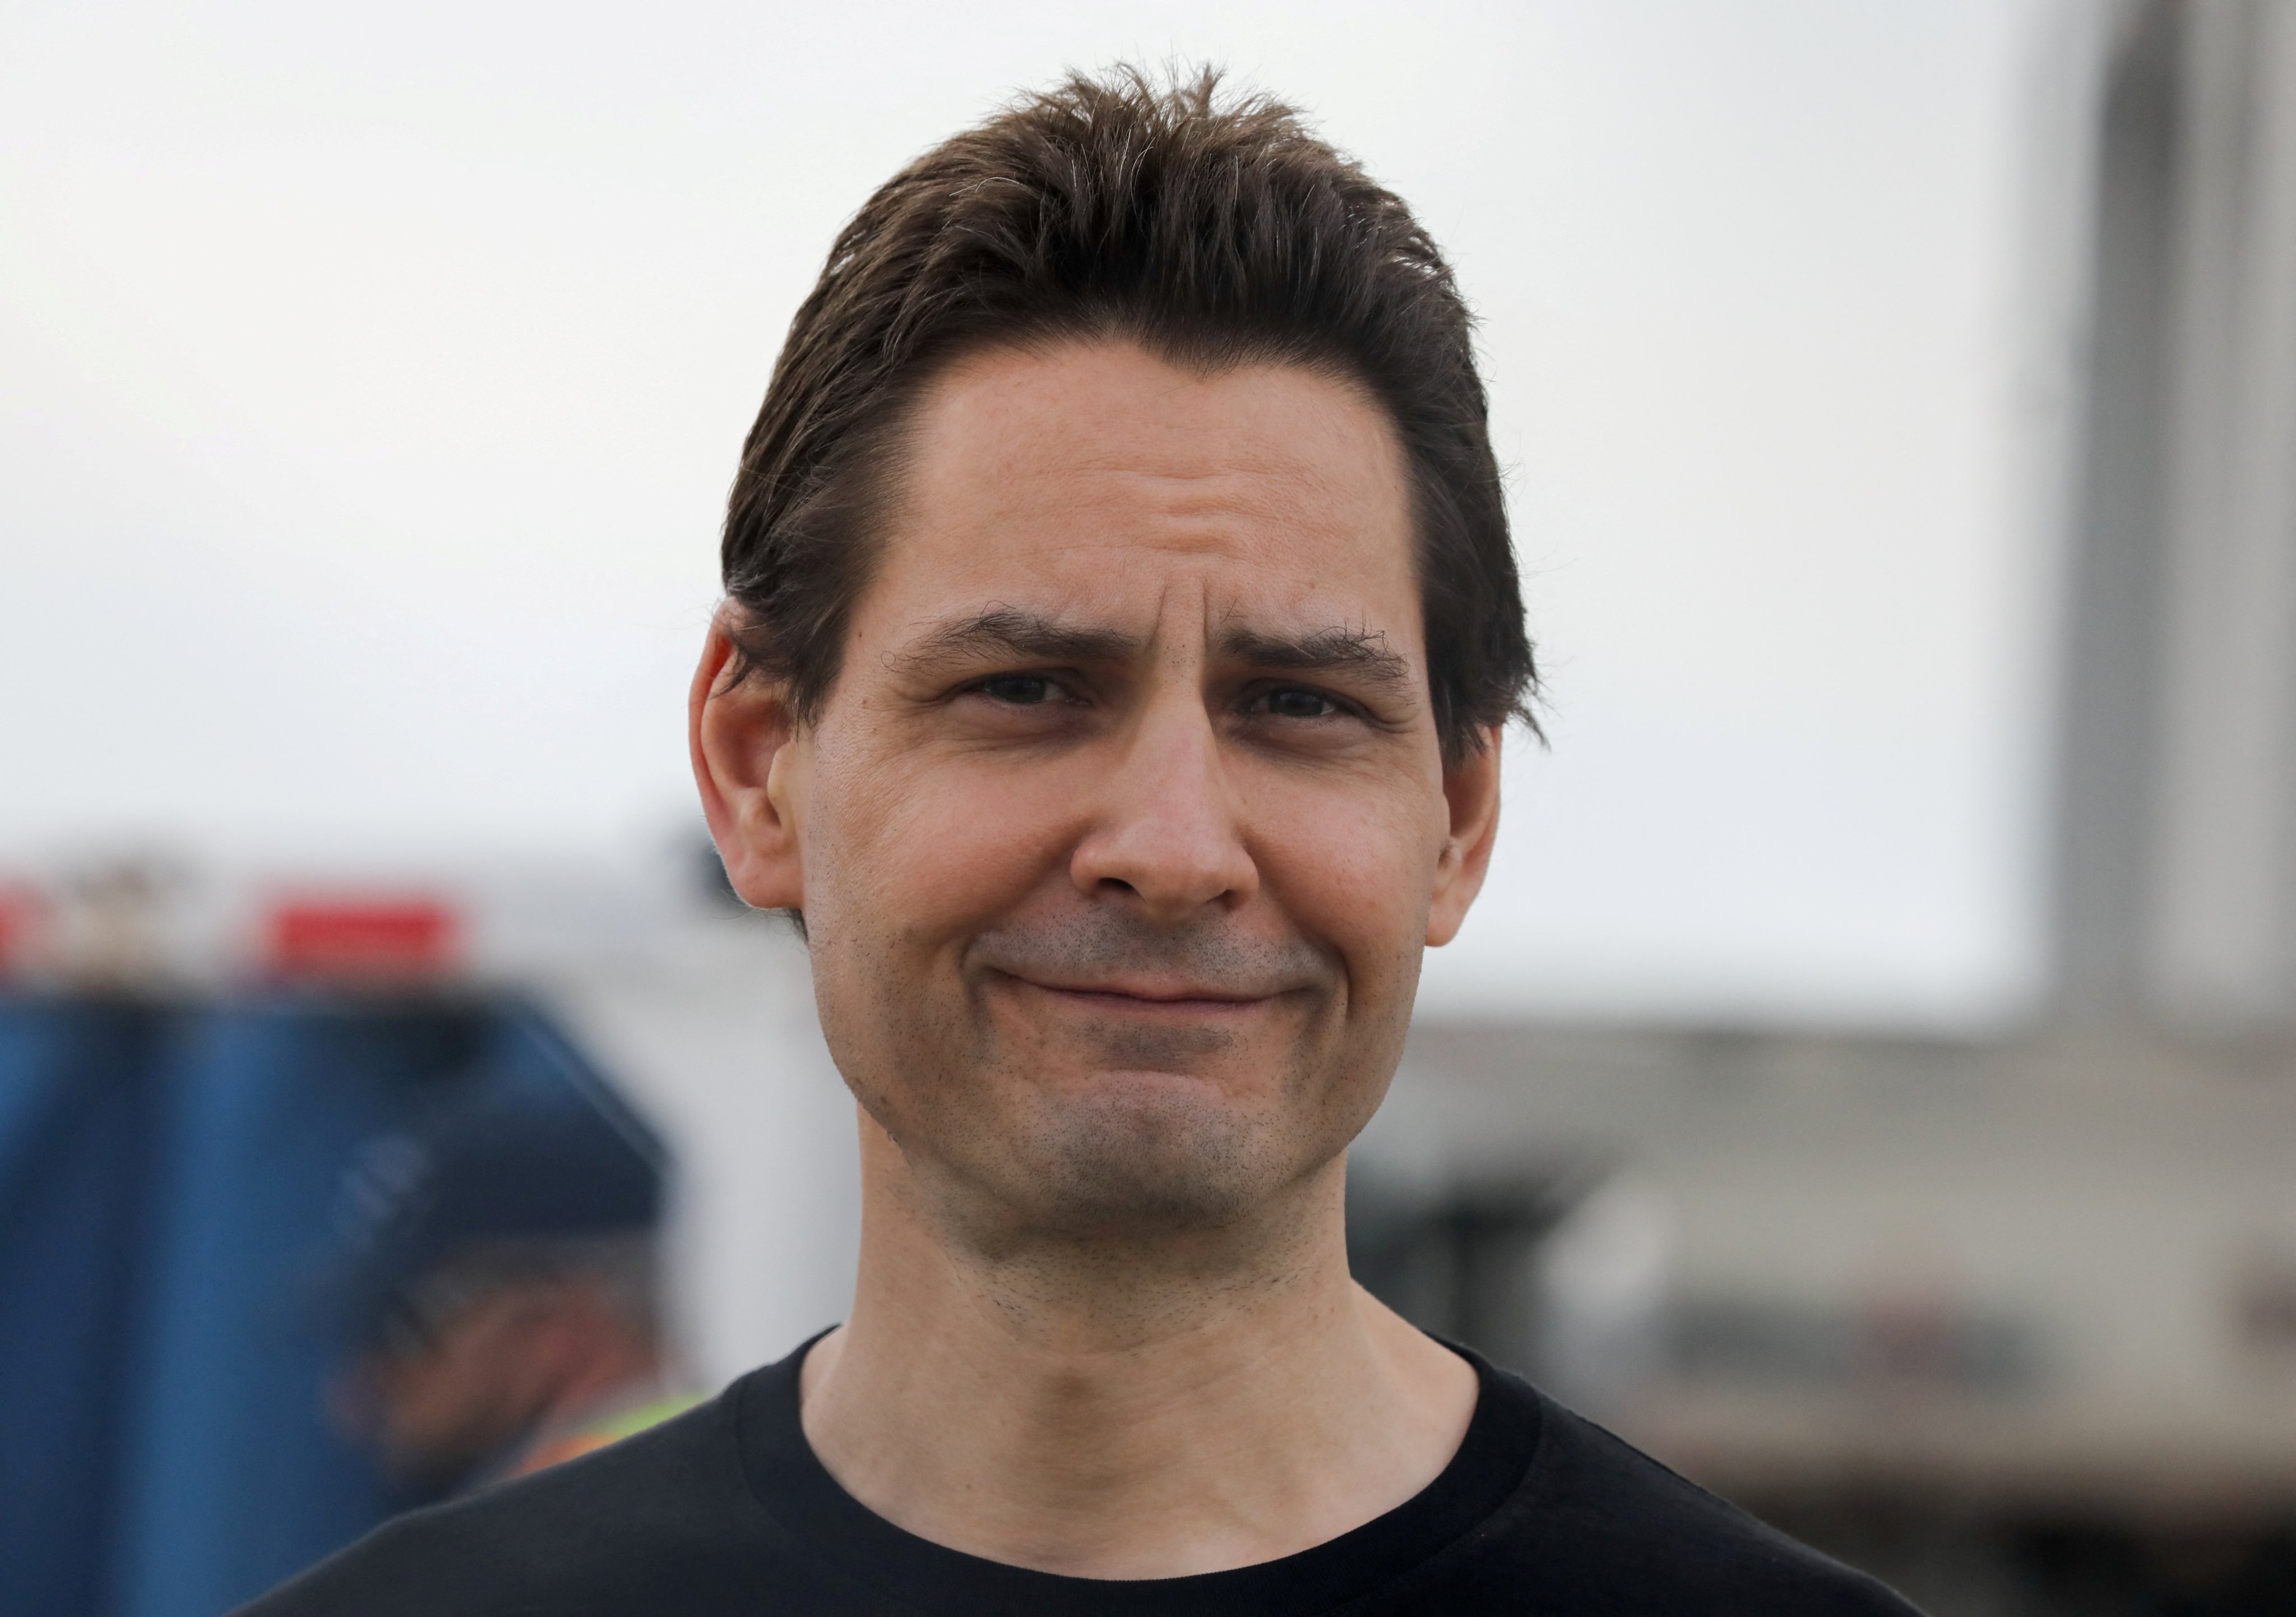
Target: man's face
[[1121, 832]]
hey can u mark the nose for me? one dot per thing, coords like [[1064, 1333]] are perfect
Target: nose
[[1169, 829]]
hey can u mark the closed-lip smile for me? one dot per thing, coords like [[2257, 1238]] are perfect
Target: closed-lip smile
[[1148, 995]]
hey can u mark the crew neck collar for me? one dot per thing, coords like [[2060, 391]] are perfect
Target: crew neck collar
[[793, 1487]]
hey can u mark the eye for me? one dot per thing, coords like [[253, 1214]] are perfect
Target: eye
[[1298, 702], [1018, 690]]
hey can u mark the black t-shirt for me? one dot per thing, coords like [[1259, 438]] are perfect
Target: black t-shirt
[[725, 1510]]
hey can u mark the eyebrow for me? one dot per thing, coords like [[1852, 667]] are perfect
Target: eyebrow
[[1361, 652], [1009, 631]]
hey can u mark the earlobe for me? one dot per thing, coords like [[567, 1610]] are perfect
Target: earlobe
[[1471, 791], [740, 733]]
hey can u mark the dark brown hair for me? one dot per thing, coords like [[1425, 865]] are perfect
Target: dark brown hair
[[1213, 231]]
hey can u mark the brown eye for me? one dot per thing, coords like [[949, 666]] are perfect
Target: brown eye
[[1017, 690], [1292, 701]]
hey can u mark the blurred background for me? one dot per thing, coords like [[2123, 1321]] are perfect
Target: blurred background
[[1868, 1081]]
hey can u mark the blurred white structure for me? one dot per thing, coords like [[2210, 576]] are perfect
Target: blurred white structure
[[2049, 1275], [714, 1036], [699, 1012], [2179, 861]]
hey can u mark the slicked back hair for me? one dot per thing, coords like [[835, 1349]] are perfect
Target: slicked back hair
[[1213, 231]]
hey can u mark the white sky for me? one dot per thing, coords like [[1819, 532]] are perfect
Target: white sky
[[371, 378]]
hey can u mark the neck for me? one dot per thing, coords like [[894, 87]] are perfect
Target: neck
[[1125, 1407]]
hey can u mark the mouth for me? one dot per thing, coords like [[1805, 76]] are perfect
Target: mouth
[[1145, 998]]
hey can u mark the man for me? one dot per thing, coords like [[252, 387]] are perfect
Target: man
[[1121, 624], [500, 1291]]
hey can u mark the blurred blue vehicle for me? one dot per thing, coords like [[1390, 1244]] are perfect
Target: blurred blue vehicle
[[172, 1212]]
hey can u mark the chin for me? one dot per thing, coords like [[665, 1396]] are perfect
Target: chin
[[1147, 1150]]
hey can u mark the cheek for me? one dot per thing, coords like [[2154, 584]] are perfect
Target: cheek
[[918, 852], [1355, 869]]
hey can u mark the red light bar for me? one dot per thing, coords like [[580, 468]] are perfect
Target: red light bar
[[23, 912], [360, 939]]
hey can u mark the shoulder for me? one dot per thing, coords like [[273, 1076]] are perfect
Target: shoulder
[[1627, 1535], [657, 1518]]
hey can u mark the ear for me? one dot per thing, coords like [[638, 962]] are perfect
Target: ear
[[743, 741], [1471, 787]]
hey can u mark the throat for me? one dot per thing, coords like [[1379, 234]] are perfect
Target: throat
[[1009, 1411]]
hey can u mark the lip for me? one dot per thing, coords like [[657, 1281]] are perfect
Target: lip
[[1144, 996]]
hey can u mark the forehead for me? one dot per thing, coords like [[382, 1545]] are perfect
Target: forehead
[[1100, 473]]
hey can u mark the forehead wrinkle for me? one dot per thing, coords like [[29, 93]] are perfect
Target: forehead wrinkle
[[1243, 483], [1220, 480], [1181, 474]]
